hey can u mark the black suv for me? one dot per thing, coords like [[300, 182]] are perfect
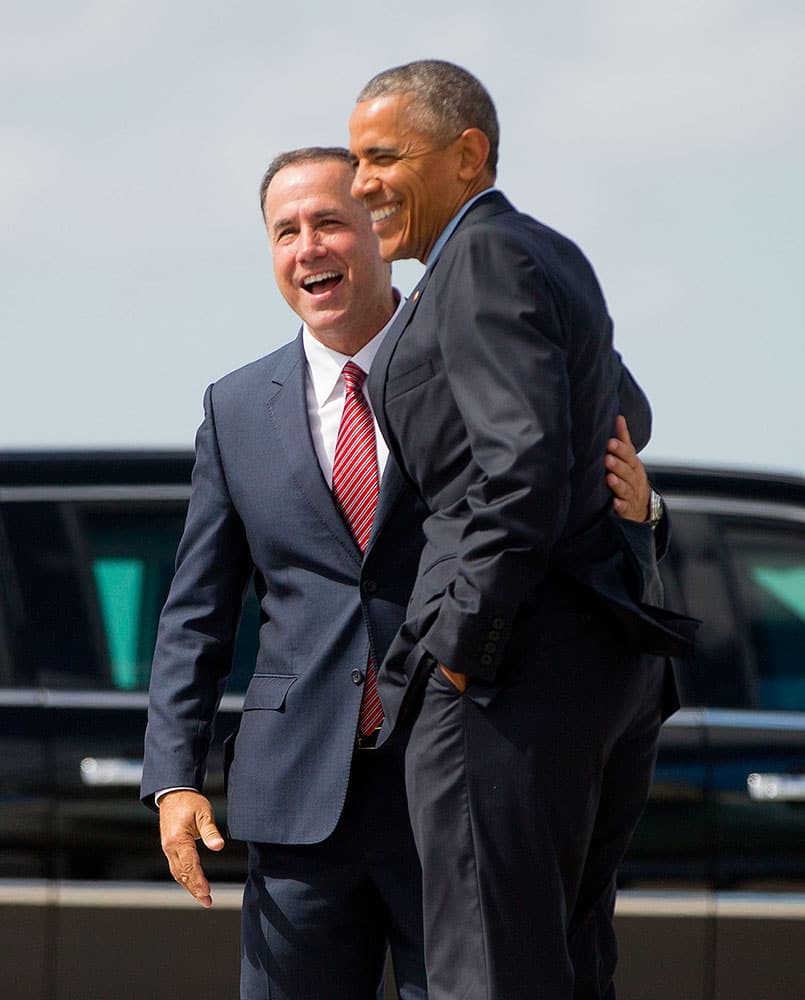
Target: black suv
[[712, 905]]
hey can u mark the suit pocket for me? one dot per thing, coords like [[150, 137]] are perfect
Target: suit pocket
[[268, 691], [398, 384]]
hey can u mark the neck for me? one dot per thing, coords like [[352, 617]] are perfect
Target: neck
[[349, 342]]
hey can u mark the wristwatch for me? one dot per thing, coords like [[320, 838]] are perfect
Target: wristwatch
[[655, 508]]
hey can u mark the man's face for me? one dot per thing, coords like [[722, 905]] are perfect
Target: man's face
[[407, 179], [326, 259]]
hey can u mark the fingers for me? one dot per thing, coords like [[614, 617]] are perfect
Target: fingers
[[626, 476], [185, 817], [622, 432]]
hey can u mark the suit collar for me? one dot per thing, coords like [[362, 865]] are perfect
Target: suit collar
[[287, 405]]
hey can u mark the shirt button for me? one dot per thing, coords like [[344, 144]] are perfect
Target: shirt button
[[357, 676]]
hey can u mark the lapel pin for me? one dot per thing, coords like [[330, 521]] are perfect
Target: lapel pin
[[415, 296]]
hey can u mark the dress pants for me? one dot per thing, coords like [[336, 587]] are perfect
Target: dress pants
[[318, 919], [522, 807]]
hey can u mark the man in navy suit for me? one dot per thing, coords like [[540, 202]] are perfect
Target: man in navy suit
[[333, 873], [530, 676]]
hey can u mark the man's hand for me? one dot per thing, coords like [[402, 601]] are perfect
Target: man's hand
[[626, 476], [456, 679], [184, 818]]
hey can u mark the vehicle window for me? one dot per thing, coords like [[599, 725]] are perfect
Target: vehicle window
[[132, 554], [83, 589], [769, 567], [720, 673]]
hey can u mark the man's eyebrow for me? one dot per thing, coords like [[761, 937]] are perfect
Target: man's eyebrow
[[322, 213], [371, 151]]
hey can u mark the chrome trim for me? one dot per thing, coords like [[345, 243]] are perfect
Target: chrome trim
[[112, 895], [227, 896], [137, 491], [729, 505], [46, 698], [717, 905], [101, 772], [776, 787], [749, 718]]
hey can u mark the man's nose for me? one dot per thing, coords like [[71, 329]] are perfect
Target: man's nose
[[310, 246], [363, 183]]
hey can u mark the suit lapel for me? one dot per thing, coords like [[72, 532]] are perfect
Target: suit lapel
[[379, 372], [287, 406], [491, 204]]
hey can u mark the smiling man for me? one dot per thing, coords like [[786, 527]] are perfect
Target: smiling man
[[293, 489], [529, 680]]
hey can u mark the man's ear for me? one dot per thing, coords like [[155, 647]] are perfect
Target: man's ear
[[474, 153]]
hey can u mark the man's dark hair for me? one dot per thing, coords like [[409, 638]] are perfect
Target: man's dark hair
[[309, 154], [447, 100]]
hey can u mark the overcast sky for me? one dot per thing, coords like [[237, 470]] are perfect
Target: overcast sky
[[668, 140]]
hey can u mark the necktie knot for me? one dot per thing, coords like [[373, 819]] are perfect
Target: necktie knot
[[354, 376]]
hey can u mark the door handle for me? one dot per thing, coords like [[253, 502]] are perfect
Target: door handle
[[104, 771], [776, 787]]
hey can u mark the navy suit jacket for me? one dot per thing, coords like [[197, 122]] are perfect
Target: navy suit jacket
[[497, 388], [260, 509]]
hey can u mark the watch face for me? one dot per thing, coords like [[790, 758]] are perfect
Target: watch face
[[654, 508]]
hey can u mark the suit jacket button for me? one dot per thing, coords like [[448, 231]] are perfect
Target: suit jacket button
[[498, 623], [357, 676], [494, 635], [369, 587], [489, 647], [486, 660]]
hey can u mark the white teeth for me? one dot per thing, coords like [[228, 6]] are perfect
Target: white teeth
[[313, 279], [383, 213]]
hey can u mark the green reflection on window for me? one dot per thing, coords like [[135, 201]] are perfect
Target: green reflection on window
[[120, 590], [787, 585]]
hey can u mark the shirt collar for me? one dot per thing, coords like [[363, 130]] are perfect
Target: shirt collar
[[450, 228], [324, 365]]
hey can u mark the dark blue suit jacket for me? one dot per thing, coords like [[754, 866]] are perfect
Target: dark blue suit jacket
[[260, 508], [496, 389]]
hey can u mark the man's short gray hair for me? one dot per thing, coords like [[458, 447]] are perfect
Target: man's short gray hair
[[447, 100]]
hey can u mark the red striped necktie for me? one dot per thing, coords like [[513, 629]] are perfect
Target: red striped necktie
[[355, 489]]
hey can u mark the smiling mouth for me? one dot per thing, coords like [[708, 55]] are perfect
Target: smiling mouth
[[383, 213], [316, 284]]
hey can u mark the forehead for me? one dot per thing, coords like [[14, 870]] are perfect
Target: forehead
[[383, 122], [318, 185]]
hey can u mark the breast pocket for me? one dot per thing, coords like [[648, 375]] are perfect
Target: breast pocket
[[405, 381], [268, 691]]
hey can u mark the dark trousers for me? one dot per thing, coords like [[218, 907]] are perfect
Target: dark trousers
[[522, 809], [318, 919]]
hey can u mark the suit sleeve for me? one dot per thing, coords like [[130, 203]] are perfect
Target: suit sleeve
[[196, 635], [504, 355]]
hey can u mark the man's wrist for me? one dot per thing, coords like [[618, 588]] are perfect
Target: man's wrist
[[176, 788]]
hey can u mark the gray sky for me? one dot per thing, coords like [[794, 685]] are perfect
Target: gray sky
[[668, 140]]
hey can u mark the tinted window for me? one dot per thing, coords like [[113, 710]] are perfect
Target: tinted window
[[85, 587], [769, 568]]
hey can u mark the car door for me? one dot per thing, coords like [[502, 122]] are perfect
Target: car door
[[26, 794], [664, 915], [758, 755], [96, 563]]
